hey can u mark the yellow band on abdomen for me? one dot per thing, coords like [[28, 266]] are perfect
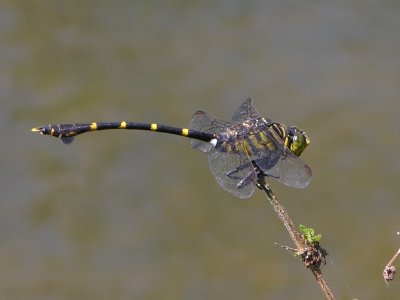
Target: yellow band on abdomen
[[185, 131]]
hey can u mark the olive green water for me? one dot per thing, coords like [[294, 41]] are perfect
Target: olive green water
[[138, 215]]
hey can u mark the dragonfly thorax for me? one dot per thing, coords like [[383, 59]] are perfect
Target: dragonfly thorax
[[245, 138]]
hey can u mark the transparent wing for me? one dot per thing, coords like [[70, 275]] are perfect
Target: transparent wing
[[233, 172], [204, 122], [245, 112], [291, 170], [277, 161]]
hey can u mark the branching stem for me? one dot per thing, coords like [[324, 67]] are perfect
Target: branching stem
[[295, 235]]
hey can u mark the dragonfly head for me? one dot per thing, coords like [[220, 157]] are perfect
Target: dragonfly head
[[296, 140]]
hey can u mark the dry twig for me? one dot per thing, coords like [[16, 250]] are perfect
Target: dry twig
[[310, 252]]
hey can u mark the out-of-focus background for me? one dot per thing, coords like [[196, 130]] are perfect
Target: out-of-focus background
[[138, 215]]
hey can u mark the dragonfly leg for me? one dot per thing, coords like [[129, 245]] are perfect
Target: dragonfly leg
[[234, 173], [251, 178]]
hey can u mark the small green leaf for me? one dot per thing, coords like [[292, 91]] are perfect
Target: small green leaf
[[309, 234]]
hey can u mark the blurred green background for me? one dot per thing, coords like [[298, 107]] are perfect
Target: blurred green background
[[136, 215]]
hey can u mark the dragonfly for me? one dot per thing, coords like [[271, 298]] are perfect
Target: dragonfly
[[239, 151]]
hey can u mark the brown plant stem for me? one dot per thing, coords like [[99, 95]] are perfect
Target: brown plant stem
[[296, 236]]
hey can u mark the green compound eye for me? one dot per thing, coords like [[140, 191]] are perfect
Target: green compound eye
[[296, 140]]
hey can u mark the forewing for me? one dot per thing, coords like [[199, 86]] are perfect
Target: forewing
[[245, 112], [222, 163]]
